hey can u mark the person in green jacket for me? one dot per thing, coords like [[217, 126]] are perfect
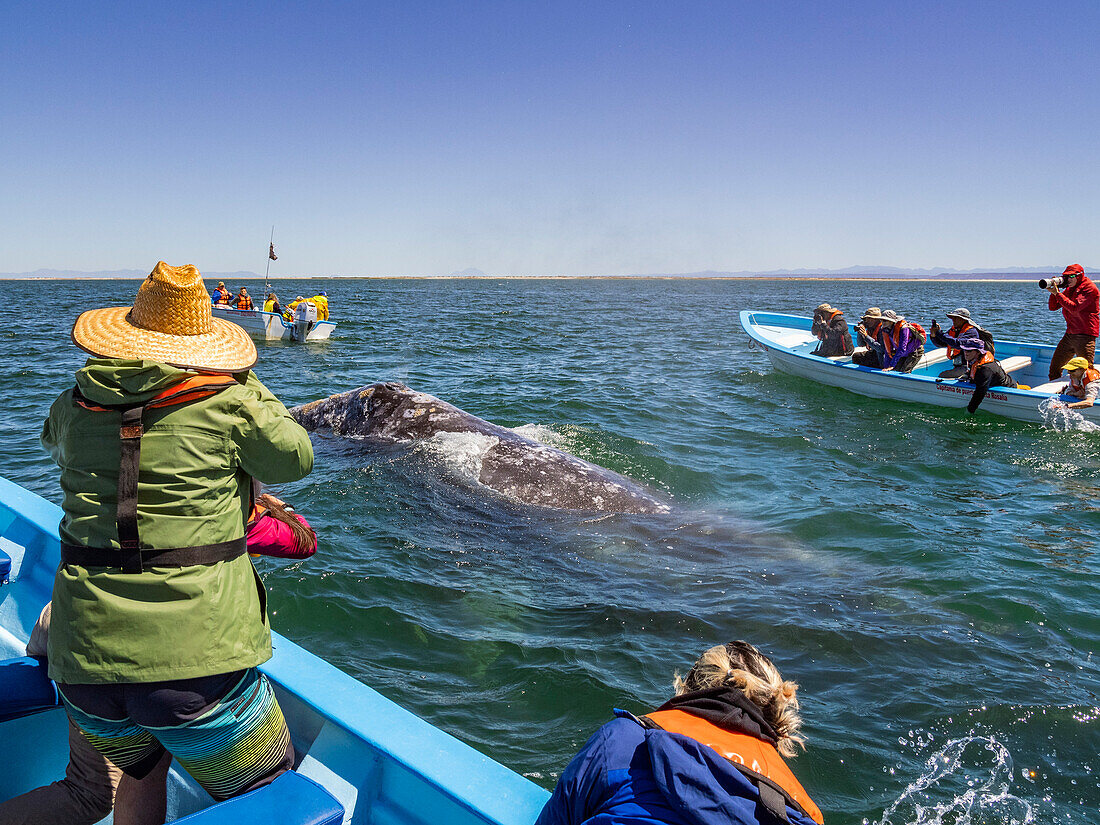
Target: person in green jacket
[[159, 618]]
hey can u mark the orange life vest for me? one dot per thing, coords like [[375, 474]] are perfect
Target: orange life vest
[[752, 756], [244, 302], [953, 352], [223, 297], [1091, 374], [892, 338], [987, 358]]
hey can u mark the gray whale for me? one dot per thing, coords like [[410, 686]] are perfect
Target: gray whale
[[514, 465]]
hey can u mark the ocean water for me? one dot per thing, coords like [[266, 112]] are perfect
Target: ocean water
[[929, 579]]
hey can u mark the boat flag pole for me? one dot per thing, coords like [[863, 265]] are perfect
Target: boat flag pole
[[270, 257]]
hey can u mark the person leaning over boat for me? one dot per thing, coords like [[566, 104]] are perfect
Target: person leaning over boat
[[830, 328], [93, 786], [320, 300], [221, 296], [961, 328], [711, 755], [159, 619], [244, 300], [1080, 304], [1084, 382], [983, 371], [903, 346], [868, 332]]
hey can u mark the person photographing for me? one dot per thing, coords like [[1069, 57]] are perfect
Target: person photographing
[[1077, 297]]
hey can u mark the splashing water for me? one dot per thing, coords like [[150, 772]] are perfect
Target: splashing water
[[461, 453], [1057, 416], [966, 782]]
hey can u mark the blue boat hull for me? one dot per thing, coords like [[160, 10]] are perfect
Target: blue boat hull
[[381, 762]]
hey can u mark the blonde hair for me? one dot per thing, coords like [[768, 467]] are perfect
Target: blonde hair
[[740, 665]]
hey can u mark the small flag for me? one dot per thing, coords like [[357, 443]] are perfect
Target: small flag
[[271, 252]]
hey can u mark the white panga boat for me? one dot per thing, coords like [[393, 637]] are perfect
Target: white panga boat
[[788, 342], [360, 758], [270, 326]]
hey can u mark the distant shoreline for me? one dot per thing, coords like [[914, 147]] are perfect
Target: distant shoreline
[[831, 279]]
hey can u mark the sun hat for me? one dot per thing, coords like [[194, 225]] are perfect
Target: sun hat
[[1077, 363], [171, 322], [961, 312], [889, 315], [972, 343], [872, 312], [1074, 270]]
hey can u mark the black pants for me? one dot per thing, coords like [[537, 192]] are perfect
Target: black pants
[[907, 363], [867, 359]]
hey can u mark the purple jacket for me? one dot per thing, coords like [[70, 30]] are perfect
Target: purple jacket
[[908, 342]]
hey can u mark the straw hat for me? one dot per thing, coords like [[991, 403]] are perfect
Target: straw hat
[[171, 322]]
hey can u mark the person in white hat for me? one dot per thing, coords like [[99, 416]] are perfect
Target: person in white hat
[[157, 445]]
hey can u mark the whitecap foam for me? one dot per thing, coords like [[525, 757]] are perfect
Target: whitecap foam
[[1057, 416], [966, 782]]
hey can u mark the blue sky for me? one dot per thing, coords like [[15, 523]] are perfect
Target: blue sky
[[541, 139]]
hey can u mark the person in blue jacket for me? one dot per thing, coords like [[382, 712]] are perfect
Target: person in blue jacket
[[711, 755]]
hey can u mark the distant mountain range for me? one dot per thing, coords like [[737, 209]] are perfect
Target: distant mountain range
[[471, 272]]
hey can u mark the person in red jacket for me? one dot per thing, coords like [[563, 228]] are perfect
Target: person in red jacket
[[1080, 304]]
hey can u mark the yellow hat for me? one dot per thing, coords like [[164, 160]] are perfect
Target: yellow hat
[[171, 322], [1077, 363]]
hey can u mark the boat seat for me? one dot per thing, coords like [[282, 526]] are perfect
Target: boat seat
[[1050, 388], [846, 357], [292, 799], [1015, 362], [5, 567], [25, 688], [932, 357]]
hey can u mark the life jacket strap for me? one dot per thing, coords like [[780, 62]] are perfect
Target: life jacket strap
[[130, 558], [137, 561]]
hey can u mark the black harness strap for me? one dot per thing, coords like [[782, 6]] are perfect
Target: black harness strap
[[129, 461], [178, 557], [131, 558]]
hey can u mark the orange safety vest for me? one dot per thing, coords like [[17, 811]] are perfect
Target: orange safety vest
[[223, 297], [244, 302], [952, 352], [1091, 374], [891, 339], [752, 756], [987, 358]]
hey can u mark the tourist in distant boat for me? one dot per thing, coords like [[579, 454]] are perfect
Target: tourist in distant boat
[[1079, 300], [158, 619], [868, 331], [961, 329], [903, 346], [831, 330], [1084, 382], [982, 370], [244, 300], [320, 300], [221, 296], [272, 304], [711, 755]]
